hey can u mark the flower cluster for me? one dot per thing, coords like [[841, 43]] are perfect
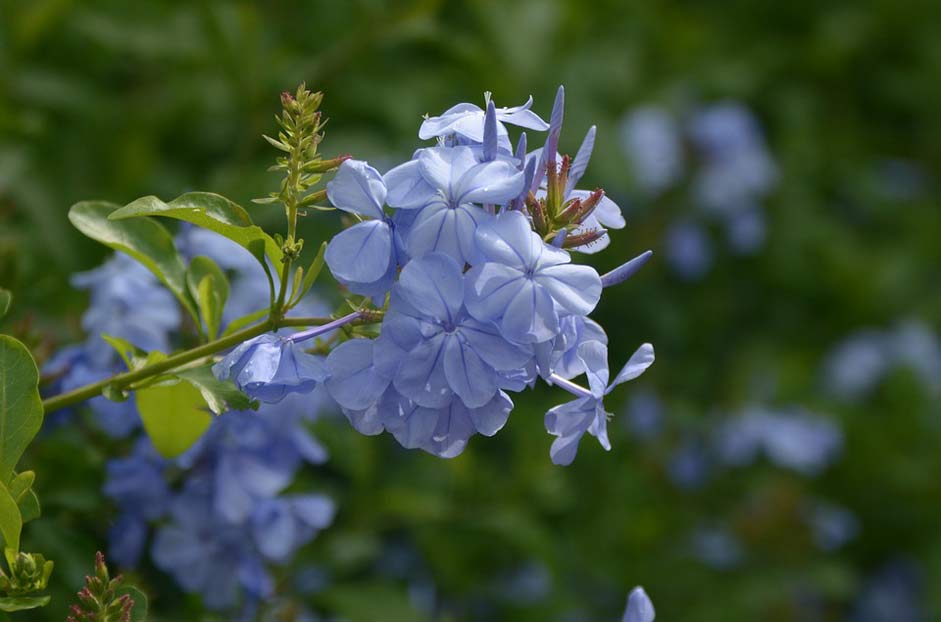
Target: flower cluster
[[217, 518], [467, 248], [729, 169]]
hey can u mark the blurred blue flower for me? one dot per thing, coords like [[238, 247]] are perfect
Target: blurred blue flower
[[717, 547], [644, 414], [525, 284], [793, 440], [652, 140], [689, 465], [832, 526], [688, 249], [894, 592]]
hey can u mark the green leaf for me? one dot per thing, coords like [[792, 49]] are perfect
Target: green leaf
[[220, 395], [11, 521], [29, 506], [313, 272], [246, 320], [144, 239], [210, 288], [21, 483], [20, 405], [207, 210], [174, 416], [22, 603], [5, 299], [139, 610], [125, 349]]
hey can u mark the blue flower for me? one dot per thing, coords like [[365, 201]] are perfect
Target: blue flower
[[281, 525], [689, 250], [570, 421], [465, 123], [362, 257], [639, 608], [268, 367], [207, 554], [448, 184], [447, 352], [793, 440], [525, 284], [652, 141]]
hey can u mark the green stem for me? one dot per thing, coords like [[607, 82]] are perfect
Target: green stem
[[118, 381]]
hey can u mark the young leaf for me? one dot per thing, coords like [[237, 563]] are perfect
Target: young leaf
[[210, 288], [139, 610], [22, 603], [246, 320], [144, 239], [20, 405], [5, 299], [174, 416], [313, 272], [21, 484], [29, 506], [11, 521], [207, 210], [220, 395], [125, 349]]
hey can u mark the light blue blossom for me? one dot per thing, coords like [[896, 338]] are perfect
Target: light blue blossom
[[526, 284], [570, 421], [449, 185], [268, 367], [447, 352], [362, 257], [639, 607], [464, 123]]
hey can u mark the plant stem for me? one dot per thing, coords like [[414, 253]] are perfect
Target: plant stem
[[89, 391]]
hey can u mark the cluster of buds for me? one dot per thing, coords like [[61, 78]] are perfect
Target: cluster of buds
[[29, 573], [99, 599], [556, 215]]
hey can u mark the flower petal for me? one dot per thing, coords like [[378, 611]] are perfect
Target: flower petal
[[467, 375], [530, 317], [362, 253], [576, 288], [358, 188], [635, 366], [489, 182], [421, 377], [354, 381], [433, 283], [407, 187], [509, 239], [489, 288]]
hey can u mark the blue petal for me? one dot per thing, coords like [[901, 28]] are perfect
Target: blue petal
[[509, 239], [452, 430], [438, 228], [489, 182], [421, 377], [411, 425], [492, 416], [441, 125], [362, 253], [576, 288], [443, 167], [496, 351], [639, 608], [274, 529], [358, 188], [636, 365], [489, 288], [580, 163], [594, 356], [433, 283], [530, 317], [407, 188], [354, 381], [569, 422], [467, 375], [315, 511]]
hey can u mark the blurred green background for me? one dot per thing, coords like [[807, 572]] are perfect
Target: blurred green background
[[115, 100]]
